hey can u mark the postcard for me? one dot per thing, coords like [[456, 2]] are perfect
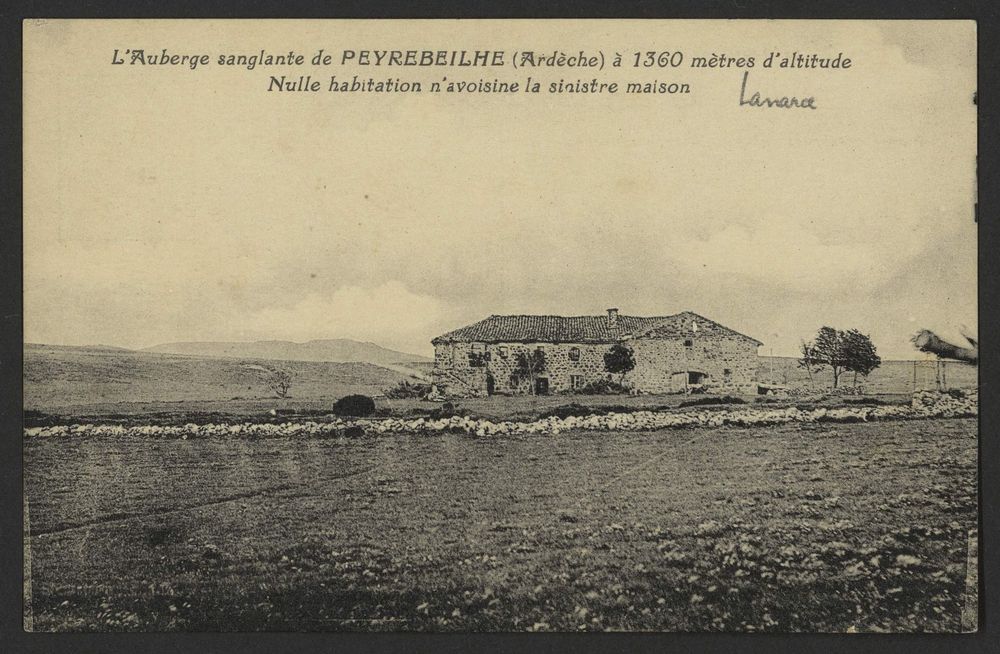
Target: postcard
[[500, 325]]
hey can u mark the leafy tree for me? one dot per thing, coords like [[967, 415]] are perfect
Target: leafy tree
[[619, 360], [841, 351], [862, 357], [528, 364]]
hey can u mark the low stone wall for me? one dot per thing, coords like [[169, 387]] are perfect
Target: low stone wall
[[925, 404]]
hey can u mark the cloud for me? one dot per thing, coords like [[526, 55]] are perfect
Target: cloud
[[392, 225], [389, 314], [793, 256]]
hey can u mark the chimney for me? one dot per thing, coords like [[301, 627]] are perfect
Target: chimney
[[612, 318]]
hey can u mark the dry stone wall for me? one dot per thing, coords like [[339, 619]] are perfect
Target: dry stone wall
[[925, 404]]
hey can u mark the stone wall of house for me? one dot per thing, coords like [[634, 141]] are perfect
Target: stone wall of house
[[729, 363], [566, 364]]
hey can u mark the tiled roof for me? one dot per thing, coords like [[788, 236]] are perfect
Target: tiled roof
[[686, 324], [582, 329]]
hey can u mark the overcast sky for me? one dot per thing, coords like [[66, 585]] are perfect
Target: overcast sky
[[168, 205]]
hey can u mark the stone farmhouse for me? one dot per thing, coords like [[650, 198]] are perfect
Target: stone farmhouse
[[672, 354]]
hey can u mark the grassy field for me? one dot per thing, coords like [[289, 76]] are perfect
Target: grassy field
[[101, 384], [71, 379], [523, 407], [802, 527], [890, 377]]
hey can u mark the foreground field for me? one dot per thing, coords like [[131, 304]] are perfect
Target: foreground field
[[801, 527]]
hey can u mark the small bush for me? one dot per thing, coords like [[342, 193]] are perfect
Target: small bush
[[354, 405], [956, 393], [713, 399], [406, 390], [602, 387]]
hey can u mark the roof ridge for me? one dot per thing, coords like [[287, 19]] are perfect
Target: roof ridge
[[526, 327], [587, 315]]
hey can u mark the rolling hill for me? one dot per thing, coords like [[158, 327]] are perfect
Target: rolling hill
[[58, 377], [341, 350], [62, 376]]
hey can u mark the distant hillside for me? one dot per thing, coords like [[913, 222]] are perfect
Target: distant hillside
[[338, 349], [56, 376], [890, 377]]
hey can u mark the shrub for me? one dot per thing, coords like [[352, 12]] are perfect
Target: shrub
[[354, 405], [956, 393], [603, 387], [713, 399], [406, 390]]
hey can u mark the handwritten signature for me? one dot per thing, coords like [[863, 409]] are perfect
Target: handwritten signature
[[784, 102]]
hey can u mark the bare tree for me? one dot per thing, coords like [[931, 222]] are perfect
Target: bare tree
[[279, 381], [809, 361]]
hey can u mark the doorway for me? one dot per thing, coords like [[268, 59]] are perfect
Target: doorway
[[490, 384], [685, 380], [542, 386]]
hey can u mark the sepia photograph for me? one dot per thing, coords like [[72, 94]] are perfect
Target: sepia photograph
[[500, 326]]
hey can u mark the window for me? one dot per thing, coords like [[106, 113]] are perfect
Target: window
[[478, 356], [688, 343], [574, 354], [503, 351], [727, 372], [576, 382]]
